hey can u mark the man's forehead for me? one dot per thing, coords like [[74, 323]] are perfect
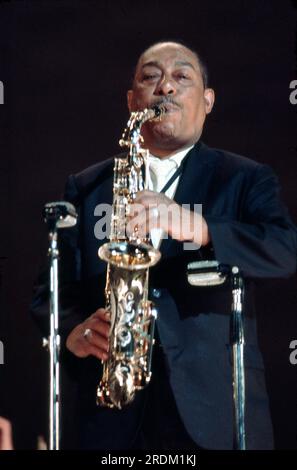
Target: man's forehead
[[168, 52]]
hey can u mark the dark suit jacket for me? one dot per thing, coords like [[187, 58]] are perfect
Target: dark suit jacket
[[249, 228]]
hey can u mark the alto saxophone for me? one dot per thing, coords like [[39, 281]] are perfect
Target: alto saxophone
[[128, 367]]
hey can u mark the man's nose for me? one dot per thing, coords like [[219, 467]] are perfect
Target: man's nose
[[165, 87]]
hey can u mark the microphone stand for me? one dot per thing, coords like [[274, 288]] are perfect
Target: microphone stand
[[237, 342], [211, 273], [57, 215]]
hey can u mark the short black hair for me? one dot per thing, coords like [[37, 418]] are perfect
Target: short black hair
[[201, 62]]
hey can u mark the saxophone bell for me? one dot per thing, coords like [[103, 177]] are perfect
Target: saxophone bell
[[131, 256]]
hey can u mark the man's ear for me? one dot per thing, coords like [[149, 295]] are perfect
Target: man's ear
[[129, 99], [209, 99]]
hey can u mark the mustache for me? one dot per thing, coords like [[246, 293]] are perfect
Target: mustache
[[166, 100]]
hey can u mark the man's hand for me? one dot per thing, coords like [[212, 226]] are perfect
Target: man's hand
[[90, 338], [155, 210], [5, 434]]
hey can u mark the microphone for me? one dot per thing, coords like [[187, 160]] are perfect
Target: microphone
[[207, 273], [59, 214]]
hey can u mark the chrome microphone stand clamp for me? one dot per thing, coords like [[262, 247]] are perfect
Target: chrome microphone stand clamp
[[57, 215], [211, 273]]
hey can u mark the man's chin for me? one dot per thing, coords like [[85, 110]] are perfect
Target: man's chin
[[164, 131]]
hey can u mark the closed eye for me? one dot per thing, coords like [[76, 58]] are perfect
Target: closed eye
[[183, 76], [149, 76]]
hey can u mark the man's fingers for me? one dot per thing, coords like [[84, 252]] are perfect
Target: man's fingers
[[146, 220], [91, 336], [99, 353], [147, 198], [101, 314], [102, 327], [137, 225], [96, 340]]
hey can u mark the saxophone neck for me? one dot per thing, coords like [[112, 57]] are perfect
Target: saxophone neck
[[131, 134]]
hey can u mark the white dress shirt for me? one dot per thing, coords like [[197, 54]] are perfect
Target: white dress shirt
[[160, 171]]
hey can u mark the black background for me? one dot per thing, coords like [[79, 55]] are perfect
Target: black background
[[66, 66]]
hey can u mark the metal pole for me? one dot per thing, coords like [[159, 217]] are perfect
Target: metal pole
[[54, 347], [237, 342]]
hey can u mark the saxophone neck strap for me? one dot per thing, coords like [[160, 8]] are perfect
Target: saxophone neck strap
[[175, 175]]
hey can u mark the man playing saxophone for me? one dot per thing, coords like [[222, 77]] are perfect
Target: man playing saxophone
[[188, 404]]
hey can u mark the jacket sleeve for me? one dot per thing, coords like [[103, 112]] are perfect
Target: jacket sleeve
[[262, 241], [70, 312]]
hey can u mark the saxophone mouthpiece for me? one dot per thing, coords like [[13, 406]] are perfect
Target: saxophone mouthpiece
[[159, 110]]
